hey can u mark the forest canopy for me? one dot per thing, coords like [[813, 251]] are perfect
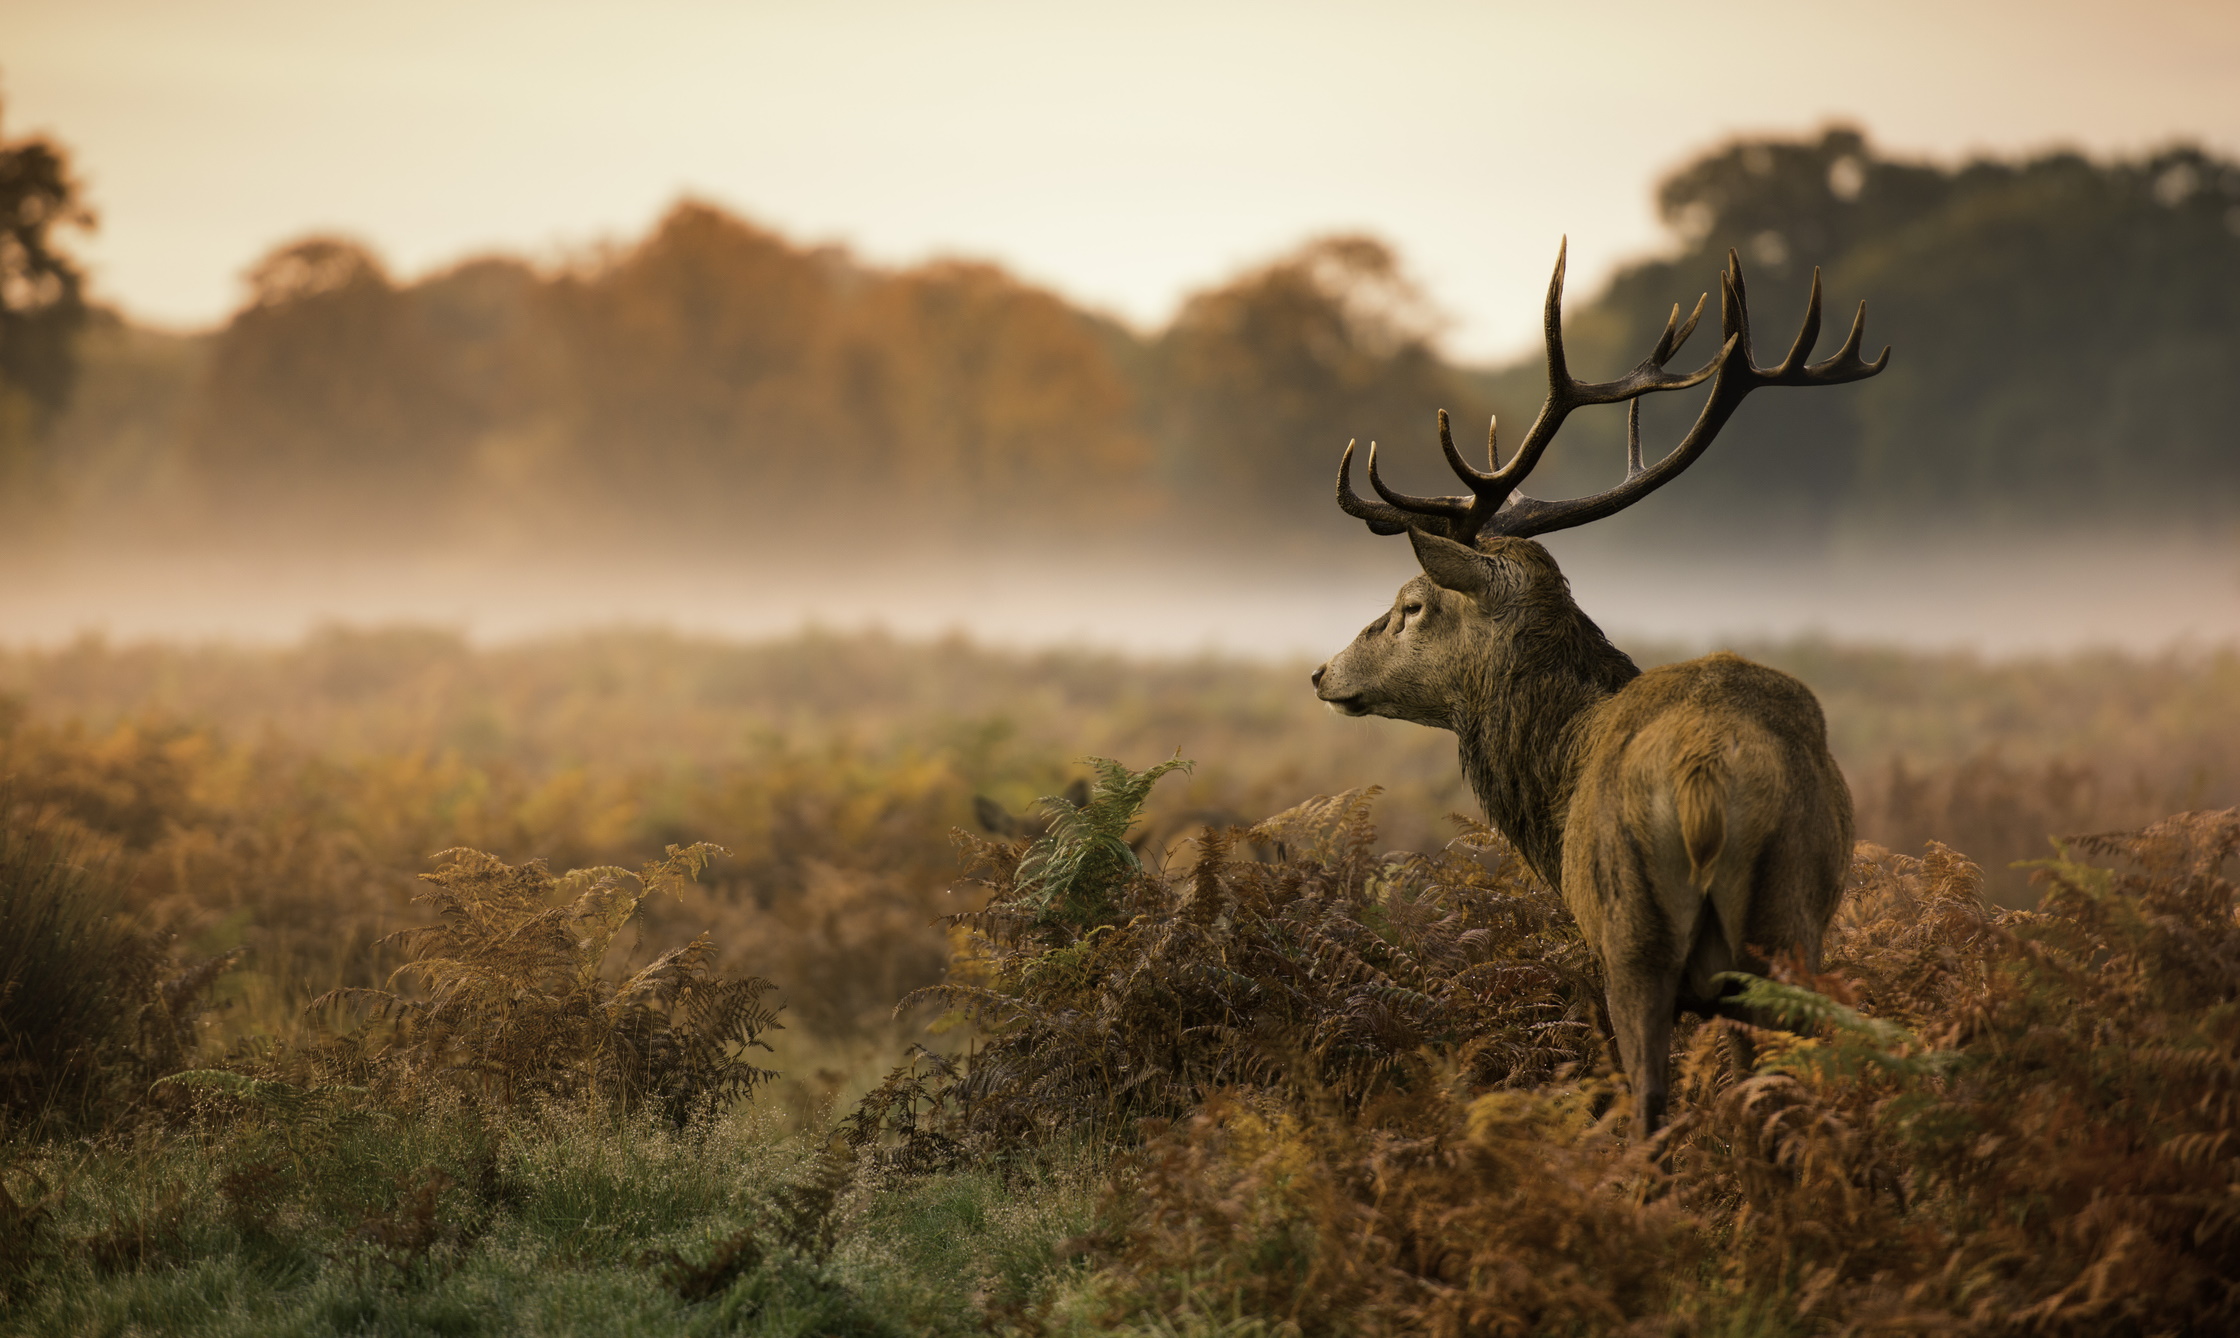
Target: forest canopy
[[2067, 335]]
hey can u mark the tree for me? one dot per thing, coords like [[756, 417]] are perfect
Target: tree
[[327, 401], [996, 401], [694, 375], [42, 297], [1261, 381], [2067, 337]]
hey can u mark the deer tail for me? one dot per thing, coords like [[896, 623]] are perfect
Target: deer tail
[[1701, 798]]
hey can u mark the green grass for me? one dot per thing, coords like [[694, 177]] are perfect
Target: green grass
[[554, 1224]]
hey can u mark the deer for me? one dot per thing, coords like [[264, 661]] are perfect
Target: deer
[[1691, 817]]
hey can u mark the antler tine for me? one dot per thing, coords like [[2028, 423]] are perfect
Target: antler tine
[[1476, 478], [1671, 341], [1633, 438], [1808, 334], [1566, 393], [1563, 391], [1734, 306], [1382, 519], [1551, 320], [1793, 370], [1569, 393], [1446, 508], [1846, 360]]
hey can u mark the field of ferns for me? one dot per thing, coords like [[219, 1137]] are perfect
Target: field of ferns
[[632, 983]]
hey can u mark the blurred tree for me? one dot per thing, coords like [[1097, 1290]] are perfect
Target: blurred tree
[[992, 400], [2074, 346], [1260, 382], [715, 366], [692, 367], [491, 331], [327, 407], [42, 300]]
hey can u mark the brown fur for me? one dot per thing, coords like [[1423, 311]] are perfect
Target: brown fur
[[1700, 795], [1692, 816]]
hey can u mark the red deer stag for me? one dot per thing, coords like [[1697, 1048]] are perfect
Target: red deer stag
[[1691, 816]]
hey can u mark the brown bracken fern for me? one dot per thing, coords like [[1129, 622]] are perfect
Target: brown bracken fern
[[1121, 993], [1376, 1112], [2028, 1125], [514, 1004]]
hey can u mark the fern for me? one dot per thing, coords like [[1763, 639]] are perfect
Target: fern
[[1071, 875], [1853, 1044], [513, 1004], [1328, 969]]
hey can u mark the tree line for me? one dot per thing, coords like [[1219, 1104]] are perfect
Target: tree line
[[2068, 336]]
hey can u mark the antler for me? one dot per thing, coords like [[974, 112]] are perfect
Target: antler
[[1495, 507]]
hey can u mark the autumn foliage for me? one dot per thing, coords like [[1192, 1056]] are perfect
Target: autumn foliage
[[736, 384]]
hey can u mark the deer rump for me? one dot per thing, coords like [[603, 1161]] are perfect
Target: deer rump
[[1705, 835]]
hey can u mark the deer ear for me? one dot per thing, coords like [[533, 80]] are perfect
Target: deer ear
[[1077, 794], [991, 814], [1451, 566]]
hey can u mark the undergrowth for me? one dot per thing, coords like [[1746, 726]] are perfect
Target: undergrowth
[[515, 1005], [2004, 1123], [555, 1222], [1100, 991], [1318, 1088], [93, 1006]]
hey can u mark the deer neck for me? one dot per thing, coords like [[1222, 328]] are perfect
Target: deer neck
[[1523, 738]]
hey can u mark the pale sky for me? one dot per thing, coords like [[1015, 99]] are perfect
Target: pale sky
[[1122, 154]]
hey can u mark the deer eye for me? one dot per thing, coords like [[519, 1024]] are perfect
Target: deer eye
[[1409, 612]]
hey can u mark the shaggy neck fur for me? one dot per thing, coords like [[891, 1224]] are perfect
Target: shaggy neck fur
[[1521, 730]]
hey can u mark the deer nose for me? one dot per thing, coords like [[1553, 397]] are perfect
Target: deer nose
[[1316, 677]]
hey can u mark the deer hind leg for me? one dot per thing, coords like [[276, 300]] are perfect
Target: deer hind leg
[[1647, 975], [1777, 916], [1712, 953], [1644, 996]]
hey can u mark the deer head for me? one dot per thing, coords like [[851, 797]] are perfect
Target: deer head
[[1490, 599]]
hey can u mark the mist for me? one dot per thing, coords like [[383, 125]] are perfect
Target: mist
[[2002, 599]]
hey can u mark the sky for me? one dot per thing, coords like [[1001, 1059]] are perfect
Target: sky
[[1124, 155]]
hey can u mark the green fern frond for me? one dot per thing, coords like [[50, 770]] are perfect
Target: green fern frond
[[1069, 876]]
